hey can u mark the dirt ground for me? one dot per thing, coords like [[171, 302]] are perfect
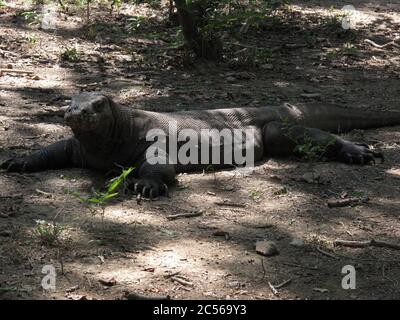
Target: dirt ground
[[307, 57]]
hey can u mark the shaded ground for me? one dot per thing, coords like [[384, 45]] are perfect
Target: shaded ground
[[301, 50]]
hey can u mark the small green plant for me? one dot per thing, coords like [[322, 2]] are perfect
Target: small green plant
[[115, 4], [99, 199], [310, 151], [179, 40], [255, 194], [358, 194], [263, 55], [280, 191], [71, 55], [350, 49], [135, 22], [48, 233], [32, 40], [31, 17], [332, 54], [305, 146], [334, 20], [2, 4]]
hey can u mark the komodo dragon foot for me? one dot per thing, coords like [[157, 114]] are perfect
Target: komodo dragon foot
[[358, 153], [148, 188]]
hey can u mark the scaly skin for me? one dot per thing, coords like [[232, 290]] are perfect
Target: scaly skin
[[108, 135]]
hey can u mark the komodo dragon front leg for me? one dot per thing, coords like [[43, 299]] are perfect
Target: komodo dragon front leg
[[283, 140], [61, 154]]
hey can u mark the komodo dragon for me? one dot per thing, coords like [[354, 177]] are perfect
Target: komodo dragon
[[107, 134]]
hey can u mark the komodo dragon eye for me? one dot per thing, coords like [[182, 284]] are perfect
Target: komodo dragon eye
[[98, 105]]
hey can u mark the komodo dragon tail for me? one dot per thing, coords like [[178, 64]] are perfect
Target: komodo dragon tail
[[339, 120]]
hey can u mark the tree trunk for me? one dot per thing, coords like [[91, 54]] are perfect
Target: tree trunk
[[208, 47]]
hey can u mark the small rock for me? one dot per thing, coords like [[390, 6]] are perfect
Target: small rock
[[3, 215], [267, 66], [76, 297], [230, 79], [72, 289], [266, 248], [220, 233], [96, 242], [108, 282], [310, 177], [6, 233], [298, 243]]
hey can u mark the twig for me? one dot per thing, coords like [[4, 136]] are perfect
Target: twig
[[284, 283], [230, 204], [136, 296], [326, 253], [262, 265], [273, 289], [374, 44], [46, 194], [182, 281], [335, 203], [184, 215], [15, 71], [366, 243], [172, 274]]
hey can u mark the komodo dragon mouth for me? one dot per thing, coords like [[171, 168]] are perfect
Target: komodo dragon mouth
[[88, 112], [82, 121]]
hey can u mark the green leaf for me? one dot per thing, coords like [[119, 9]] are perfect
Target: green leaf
[[114, 183], [110, 195]]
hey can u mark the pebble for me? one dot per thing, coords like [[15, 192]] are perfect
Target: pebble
[[266, 248], [298, 243]]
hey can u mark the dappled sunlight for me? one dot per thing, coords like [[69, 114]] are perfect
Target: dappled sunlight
[[300, 55]]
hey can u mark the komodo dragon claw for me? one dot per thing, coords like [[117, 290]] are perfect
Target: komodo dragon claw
[[148, 188], [358, 153]]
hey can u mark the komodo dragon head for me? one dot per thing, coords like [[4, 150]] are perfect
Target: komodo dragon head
[[89, 112]]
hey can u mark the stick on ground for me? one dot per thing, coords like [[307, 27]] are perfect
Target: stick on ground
[[230, 204], [15, 71], [273, 289], [184, 215], [366, 243], [374, 44], [337, 203], [284, 283], [326, 253]]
